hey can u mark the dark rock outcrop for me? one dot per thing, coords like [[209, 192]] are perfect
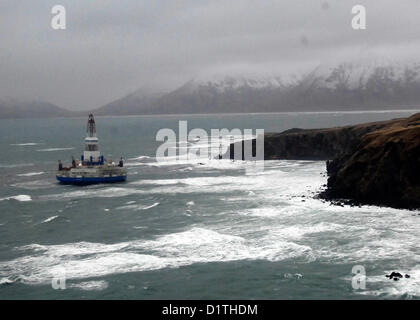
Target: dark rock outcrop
[[314, 144], [374, 163], [384, 168], [396, 276]]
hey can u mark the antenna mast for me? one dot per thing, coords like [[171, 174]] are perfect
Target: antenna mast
[[91, 127]]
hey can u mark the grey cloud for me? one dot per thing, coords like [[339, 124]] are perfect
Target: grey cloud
[[112, 47]]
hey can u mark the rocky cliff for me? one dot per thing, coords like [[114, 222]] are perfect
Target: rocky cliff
[[383, 169], [374, 163], [315, 144]]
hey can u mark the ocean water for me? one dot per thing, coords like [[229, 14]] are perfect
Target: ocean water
[[189, 229]]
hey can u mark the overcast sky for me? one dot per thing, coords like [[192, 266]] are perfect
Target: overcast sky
[[113, 47]]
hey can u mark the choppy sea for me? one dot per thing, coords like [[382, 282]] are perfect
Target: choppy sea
[[190, 229]]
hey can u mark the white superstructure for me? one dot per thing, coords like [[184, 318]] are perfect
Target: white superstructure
[[91, 153]]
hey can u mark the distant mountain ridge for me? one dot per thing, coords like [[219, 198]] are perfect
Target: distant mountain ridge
[[13, 109], [347, 86], [138, 102]]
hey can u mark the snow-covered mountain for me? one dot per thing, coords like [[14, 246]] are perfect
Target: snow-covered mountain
[[362, 85], [356, 76], [347, 86], [224, 83]]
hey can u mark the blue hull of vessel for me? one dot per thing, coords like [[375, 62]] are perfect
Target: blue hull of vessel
[[81, 181]]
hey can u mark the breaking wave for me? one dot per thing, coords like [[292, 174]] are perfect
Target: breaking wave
[[137, 207], [21, 197], [25, 144], [197, 245], [50, 219], [269, 216], [30, 174], [140, 158]]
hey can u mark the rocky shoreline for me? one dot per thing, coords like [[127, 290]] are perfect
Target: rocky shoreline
[[375, 163]]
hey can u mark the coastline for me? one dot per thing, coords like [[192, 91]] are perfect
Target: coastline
[[82, 115], [374, 163]]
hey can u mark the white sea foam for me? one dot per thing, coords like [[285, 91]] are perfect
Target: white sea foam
[[34, 184], [16, 165], [137, 207], [298, 231], [197, 245], [6, 281], [30, 174], [137, 164], [232, 182], [385, 287], [25, 144], [140, 158], [272, 185], [20, 197], [151, 206], [110, 192], [203, 163], [156, 181], [194, 185], [90, 285], [50, 219], [264, 219]]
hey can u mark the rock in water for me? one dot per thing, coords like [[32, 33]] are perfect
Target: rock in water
[[394, 275]]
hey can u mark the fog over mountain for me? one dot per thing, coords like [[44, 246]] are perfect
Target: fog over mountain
[[13, 109], [344, 87], [347, 86], [112, 48]]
